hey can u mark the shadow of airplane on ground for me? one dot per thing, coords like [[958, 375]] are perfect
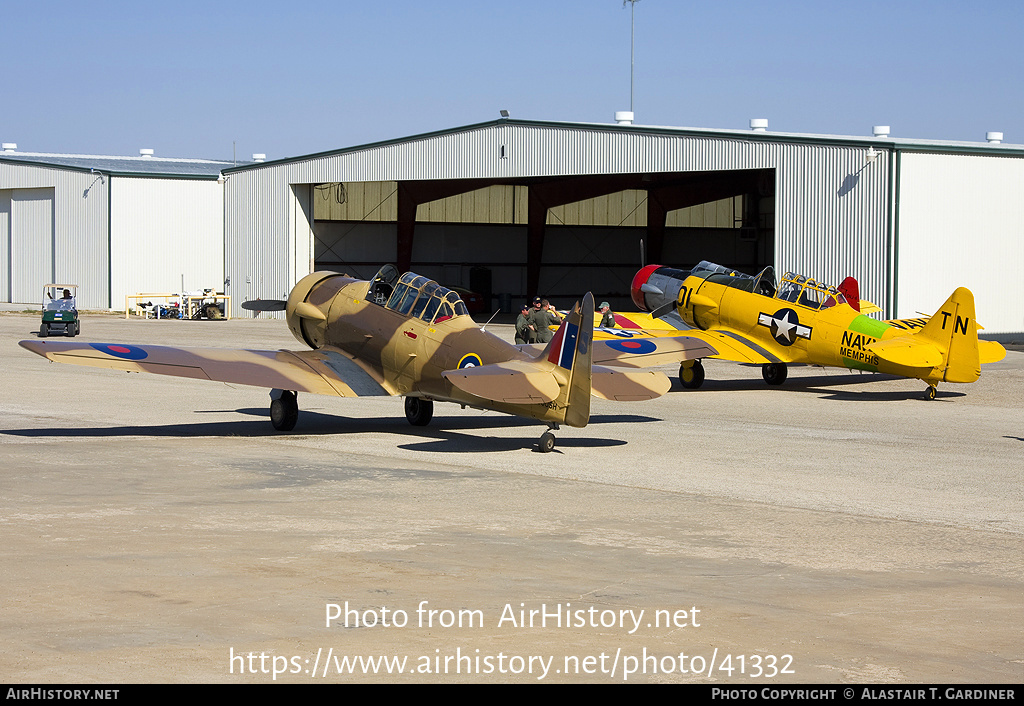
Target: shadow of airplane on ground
[[445, 435]]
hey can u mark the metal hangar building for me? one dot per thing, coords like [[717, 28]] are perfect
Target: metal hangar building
[[112, 225], [513, 208]]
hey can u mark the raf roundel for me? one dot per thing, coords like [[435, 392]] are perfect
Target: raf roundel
[[470, 360], [640, 346], [119, 350]]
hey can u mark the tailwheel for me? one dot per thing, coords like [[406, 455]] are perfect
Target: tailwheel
[[546, 443], [929, 394], [419, 411], [691, 374], [774, 373], [284, 410]]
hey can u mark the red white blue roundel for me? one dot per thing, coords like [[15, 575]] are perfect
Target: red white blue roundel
[[638, 346], [120, 350], [470, 360]]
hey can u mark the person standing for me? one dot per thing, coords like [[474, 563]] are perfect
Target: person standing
[[607, 317], [543, 317], [525, 331]]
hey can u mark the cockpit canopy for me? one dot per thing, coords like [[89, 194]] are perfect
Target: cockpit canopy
[[792, 288], [763, 283], [415, 296], [806, 292]]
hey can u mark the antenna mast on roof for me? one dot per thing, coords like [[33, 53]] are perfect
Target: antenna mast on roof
[[632, 6]]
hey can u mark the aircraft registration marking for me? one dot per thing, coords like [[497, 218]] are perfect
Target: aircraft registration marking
[[121, 351]]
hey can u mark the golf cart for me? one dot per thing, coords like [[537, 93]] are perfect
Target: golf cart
[[60, 310]]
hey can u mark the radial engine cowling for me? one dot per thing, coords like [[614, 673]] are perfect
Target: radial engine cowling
[[309, 305], [654, 286]]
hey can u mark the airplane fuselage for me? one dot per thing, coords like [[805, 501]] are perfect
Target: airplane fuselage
[[404, 353], [833, 335]]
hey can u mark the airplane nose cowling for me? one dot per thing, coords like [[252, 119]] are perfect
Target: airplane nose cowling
[[639, 280]]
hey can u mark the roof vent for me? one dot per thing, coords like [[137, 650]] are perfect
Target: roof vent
[[624, 117], [759, 124], [880, 130], [994, 138], [9, 146], [259, 157], [146, 153]]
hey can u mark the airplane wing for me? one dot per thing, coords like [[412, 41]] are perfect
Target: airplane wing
[[724, 345], [324, 371], [642, 352]]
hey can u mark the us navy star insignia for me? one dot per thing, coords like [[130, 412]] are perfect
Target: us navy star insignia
[[785, 326]]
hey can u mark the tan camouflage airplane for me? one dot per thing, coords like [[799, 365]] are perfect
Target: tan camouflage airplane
[[409, 336]]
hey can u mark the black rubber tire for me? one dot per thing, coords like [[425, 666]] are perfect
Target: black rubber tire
[[419, 411], [546, 443], [284, 411], [691, 377], [775, 373], [44, 330]]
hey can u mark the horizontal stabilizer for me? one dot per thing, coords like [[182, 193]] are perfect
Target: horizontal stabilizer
[[990, 351], [514, 382], [625, 385], [908, 352]]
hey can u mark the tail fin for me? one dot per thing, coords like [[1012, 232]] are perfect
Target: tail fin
[[570, 351], [851, 291], [954, 330]]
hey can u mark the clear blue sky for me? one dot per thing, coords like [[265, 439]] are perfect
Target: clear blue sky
[[189, 79]]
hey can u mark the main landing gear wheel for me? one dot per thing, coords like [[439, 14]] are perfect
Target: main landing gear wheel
[[284, 411], [691, 374], [546, 443], [929, 394], [419, 411], [774, 373]]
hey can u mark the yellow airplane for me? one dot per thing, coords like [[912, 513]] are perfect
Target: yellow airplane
[[751, 319], [409, 336]]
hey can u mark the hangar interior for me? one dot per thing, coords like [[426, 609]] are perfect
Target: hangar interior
[[558, 237]]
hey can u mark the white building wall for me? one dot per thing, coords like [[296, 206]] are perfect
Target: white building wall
[[165, 234], [961, 223]]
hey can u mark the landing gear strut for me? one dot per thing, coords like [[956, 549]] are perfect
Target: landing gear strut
[[691, 374], [419, 411], [774, 373], [284, 409]]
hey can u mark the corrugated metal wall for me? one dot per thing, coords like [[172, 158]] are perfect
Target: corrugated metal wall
[[60, 235], [165, 235], [831, 217], [961, 223]]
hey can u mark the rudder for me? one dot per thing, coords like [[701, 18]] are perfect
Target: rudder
[[954, 330], [570, 350]]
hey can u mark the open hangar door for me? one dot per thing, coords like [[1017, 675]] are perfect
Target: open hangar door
[[557, 237]]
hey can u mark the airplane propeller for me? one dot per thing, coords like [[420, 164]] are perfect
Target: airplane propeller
[[265, 305]]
